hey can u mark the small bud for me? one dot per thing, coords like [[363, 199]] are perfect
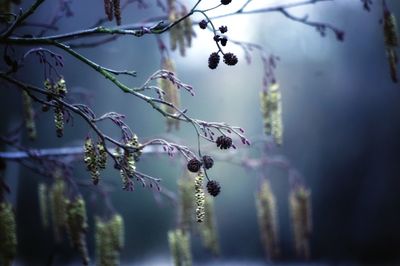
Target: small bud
[[223, 29], [203, 24], [224, 40], [226, 2], [208, 162]]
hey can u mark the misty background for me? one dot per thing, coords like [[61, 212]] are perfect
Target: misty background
[[341, 116]]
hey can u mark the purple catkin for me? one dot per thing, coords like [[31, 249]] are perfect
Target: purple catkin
[[117, 11], [108, 9]]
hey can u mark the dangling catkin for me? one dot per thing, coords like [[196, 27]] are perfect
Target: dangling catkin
[[271, 107], [43, 204], [171, 94], [77, 227], [179, 244], [300, 210], [58, 207], [268, 220], [208, 229], [186, 203], [199, 197], [8, 234], [109, 238], [29, 115]]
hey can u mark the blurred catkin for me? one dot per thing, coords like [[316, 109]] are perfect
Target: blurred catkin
[[109, 238], [300, 210], [77, 227], [268, 220], [180, 34], [271, 108], [43, 204], [208, 229], [171, 94], [179, 244], [8, 237], [29, 115], [391, 42], [186, 204], [58, 207]]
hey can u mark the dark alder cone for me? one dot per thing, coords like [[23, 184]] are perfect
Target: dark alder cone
[[223, 29], [224, 40], [226, 2], [230, 59], [203, 24], [194, 165], [213, 188], [208, 162], [213, 60], [224, 142], [216, 38]]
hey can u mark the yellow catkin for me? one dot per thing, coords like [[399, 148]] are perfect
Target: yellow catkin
[[271, 107], [171, 95], [29, 115], [188, 30], [186, 203], [300, 210], [117, 229], [102, 159], [77, 227], [179, 244], [390, 30], [199, 197], [58, 207], [8, 234], [91, 160], [43, 204], [268, 220], [109, 238], [392, 60], [208, 229]]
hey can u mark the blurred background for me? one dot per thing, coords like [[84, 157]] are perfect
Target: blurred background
[[341, 115]]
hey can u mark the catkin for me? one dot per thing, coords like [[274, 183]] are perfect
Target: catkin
[[102, 159], [29, 115], [390, 29], [117, 11], [392, 59], [108, 9], [91, 160], [208, 229], [268, 220], [43, 204], [77, 227], [8, 234], [271, 107], [300, 210], [58, 207], [199, 197], [171, 95], [186, 204], [109, 238], [179, 243]]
